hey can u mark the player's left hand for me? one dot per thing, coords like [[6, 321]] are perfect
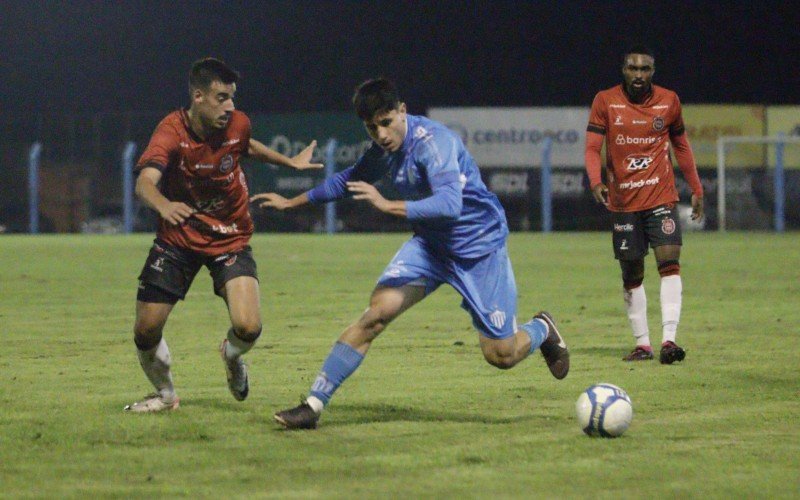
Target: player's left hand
[[697, 207], [270, 200], [366, 191], [302, 160]]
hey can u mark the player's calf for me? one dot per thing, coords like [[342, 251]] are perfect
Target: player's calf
[[231, 351]]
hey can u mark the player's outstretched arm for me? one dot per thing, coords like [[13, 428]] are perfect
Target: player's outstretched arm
[[276, 201], [174, 212], [301, 161]]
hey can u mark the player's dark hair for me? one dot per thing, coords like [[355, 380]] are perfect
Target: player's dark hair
[[208, 70], [378, 95], [637, 49]]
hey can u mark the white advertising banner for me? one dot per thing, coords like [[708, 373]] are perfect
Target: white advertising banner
[[515, 137]]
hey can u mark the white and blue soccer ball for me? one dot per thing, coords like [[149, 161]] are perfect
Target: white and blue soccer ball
[[604, 410]]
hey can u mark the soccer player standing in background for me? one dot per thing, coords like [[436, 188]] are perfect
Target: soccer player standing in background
[[190, 174], [460, 233], [638, 121]]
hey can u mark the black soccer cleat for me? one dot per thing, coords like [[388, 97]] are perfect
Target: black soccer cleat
[[639, 354], [300, 417], [554, 349], [670, 353]]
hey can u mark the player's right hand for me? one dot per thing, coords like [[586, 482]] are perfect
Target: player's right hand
[[271, 200], [176, 212], [600, 193]]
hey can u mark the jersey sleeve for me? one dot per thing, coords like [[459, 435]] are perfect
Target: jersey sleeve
[[598, 116], [367, 169], [437, 155], [247, 131], [370, 167], [162, 148], [592, 158], [676, 127], [685, 159]]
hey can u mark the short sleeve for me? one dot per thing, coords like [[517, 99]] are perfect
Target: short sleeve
[[162, 148]]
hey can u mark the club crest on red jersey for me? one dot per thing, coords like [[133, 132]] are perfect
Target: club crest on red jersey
[[658, 124], [667, 225], [226, 164]]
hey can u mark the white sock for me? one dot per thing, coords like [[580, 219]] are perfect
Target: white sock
[[636, 307], [156, 362], [671, 292], [236, 346], [316, 404]]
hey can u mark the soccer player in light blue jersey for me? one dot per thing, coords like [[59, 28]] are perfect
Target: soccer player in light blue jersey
[[460, 233]]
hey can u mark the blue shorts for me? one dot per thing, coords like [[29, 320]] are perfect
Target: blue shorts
[[486, 284]]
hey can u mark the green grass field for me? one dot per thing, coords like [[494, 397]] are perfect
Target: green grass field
[[424, 416]]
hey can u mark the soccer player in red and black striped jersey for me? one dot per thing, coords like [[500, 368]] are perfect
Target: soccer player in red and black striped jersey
[[638, 121], [190, 174]]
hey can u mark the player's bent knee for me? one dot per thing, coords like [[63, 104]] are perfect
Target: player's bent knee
[[146, 336], [374, 321], [499, 360], [498, 355], [669, 268], [632, 273], [248, 332]]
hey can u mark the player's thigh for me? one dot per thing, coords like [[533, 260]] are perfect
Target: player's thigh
[[663, 229], [387, 303], [667, 252], [489, 292], [235, 277], [167, 270], [414, 265], [628, 236], [151, 317], [244, 302]]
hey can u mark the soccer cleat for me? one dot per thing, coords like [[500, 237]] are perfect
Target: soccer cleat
[[153, 403], [300, 417], [236, 373], [639, 354], [671, 352], [554, 349]]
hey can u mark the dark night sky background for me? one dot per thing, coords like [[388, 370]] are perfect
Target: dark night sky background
[[83, 56]]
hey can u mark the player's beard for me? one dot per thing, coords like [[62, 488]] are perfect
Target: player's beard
[[637, 93]]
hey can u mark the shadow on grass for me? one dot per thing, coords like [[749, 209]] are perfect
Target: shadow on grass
[[346, 415], [600, 351]]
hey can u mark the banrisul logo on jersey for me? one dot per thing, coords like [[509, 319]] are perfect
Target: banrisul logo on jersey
[[626, 139]]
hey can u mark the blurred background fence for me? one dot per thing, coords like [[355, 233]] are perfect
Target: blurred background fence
[[80, 168]]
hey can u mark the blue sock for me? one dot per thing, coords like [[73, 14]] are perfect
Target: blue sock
[[537, 331], [340, 364]]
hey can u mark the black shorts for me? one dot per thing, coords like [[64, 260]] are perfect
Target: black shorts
[[169, 271], [634, 232]]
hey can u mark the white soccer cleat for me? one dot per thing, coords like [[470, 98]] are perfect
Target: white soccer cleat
[[236, 373], [153, 403]]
